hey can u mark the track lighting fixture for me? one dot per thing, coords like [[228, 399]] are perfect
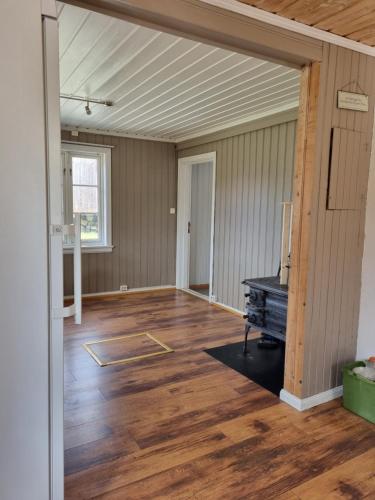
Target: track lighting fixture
[[87, 100], [87, 108]]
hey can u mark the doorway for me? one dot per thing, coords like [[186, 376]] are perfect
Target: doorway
[[186, 224], [195, 224]]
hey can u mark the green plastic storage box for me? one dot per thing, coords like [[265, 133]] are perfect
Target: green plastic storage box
[[359, 393]]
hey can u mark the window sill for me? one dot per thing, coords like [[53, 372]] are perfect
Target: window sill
[[91, 249]]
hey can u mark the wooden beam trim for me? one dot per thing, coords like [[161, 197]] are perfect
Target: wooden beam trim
[[200, 21]]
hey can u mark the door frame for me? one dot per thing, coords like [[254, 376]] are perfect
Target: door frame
[[199, 21], [49, 30], [183, 217]]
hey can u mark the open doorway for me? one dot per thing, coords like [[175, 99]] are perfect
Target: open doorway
[[201, 228], [196, 224], [199, 221]]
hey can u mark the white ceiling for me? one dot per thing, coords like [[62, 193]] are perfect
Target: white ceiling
[[162, 86]]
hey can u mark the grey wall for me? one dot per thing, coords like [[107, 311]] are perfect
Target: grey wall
[[254, 172], [24, 364], [143, 231], [336, 240], [201, 214]]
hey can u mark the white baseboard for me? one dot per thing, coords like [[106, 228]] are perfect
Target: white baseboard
[[310, 402], [118, 292], [213, 302], [196, 294], [228, 308]]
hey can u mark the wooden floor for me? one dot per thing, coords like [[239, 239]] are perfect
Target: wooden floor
[[184, 426]]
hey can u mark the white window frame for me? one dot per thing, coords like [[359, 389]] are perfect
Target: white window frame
[[104, 185]]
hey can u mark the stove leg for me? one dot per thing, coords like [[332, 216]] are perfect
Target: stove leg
[[247, 329]]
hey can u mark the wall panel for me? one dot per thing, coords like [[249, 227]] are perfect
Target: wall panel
[[143, 231], [254, 172], [336, 243]]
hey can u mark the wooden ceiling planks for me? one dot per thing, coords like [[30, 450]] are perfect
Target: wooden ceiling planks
[[354, 19], [163, 86]]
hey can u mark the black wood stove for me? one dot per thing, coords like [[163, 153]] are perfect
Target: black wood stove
[[266, 309]]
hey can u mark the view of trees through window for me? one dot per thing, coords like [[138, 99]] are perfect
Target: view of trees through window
[[86, 195]]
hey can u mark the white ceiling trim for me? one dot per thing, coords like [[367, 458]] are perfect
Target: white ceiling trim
[[265, 113], [289, 24], [115, 133]]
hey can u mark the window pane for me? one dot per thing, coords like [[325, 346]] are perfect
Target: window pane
[[89, 227], [85, 170], [85, 199]]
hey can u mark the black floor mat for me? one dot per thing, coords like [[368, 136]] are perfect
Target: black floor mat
[[265, 367]]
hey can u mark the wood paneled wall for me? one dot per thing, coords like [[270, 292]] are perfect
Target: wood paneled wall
[[144, 176], [336, 239], [254, 173]]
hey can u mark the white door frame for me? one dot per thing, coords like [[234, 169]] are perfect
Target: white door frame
[[183, 218], [55, 248]]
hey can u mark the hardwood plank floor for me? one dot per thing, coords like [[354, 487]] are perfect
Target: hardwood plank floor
[[182, 425]]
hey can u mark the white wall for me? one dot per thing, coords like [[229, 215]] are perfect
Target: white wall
[[366, 330], [201, 213], [24, 421]]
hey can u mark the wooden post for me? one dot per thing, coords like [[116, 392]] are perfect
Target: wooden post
[[301, 227]]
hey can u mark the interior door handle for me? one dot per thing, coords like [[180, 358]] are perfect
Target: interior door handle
[[189, 227]]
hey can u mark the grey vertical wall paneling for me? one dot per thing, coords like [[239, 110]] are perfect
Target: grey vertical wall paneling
[[218, 149], [239, 216], [172, 226], [337, 243], [223, 292], [340, 232], [126, 206], [137, 212], [254, 174], [279, 158], [164, 220], [100, 257], [231, 220], [143, 231], [220, 205], [246, 202], [258, 200], [251, 215], [273, 209]]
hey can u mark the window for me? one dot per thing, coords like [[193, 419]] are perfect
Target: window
[[87, 191]]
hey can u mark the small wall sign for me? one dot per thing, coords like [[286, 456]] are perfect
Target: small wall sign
[[351, 100]]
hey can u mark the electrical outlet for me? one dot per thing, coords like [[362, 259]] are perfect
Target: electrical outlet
[[123, 288]]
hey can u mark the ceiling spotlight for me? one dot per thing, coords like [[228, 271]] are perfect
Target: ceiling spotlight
[[87, 108]]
